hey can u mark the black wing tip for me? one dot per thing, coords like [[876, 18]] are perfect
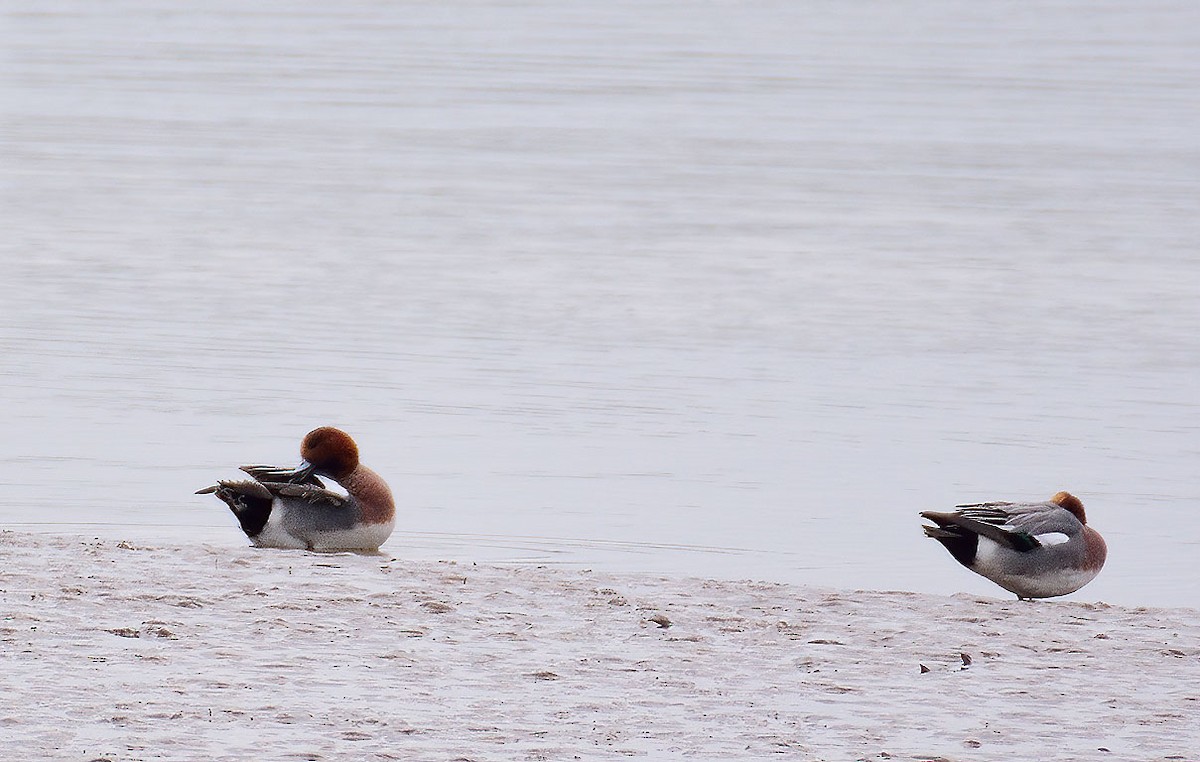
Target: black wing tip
[[939, 533], [941, 518]]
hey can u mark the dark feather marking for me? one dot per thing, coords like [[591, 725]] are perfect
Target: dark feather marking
[[250, 502], [962, 545], [985, 523]]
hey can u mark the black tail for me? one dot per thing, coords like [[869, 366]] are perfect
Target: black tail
[[961, 543], [249, 501]]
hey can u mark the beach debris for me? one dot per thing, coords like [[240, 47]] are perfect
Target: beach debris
[[148, 629], [158, 630], [614, 597], [661, 620], [126, 632], [924, 669]]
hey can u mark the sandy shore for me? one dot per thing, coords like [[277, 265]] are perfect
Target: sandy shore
[[117, 652]]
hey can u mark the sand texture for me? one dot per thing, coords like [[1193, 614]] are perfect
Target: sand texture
[[121, 652]]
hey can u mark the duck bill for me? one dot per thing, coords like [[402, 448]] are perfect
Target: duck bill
[[304, 472]]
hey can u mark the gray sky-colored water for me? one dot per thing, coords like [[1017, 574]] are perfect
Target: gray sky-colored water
[[726, 290]]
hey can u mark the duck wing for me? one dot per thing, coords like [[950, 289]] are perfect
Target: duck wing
[[994, 521], [1025, 525], [274, 474], [1049, 522], [309, 493], [243, 493]]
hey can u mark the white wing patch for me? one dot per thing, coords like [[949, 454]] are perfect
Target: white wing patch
[[1051, 538]]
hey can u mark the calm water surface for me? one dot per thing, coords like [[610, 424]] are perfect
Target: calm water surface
[[727, 290]]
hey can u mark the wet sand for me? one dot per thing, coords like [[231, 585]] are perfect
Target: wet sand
[[122, 652]]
